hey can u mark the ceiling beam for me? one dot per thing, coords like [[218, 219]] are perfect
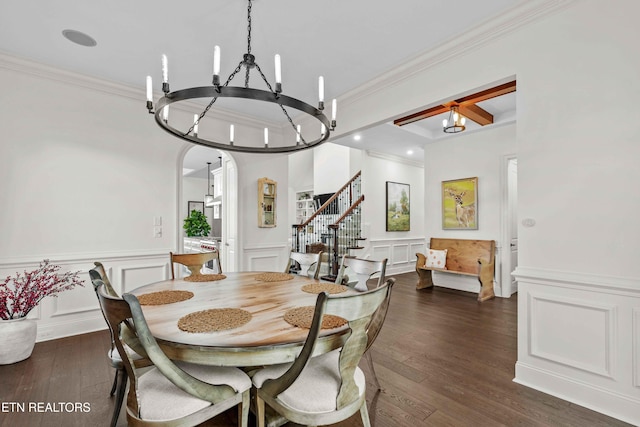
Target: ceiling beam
[[420, 115], [466, 106], [500, 90], [477, 114]]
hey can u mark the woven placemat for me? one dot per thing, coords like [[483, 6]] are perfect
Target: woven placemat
[[204, 277], [215, 319], [164, 297], [303, 316], [273, 277], [331, 288]]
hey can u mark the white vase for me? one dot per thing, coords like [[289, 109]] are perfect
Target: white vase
[[18, 336]]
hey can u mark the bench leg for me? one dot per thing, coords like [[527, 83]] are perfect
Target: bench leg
[[486, 280], [424, 276]]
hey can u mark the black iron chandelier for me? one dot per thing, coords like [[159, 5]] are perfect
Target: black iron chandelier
[[217, 90], [455, 123]]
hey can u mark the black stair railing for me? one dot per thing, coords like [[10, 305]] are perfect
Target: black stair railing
[[335, 226], [346, 235]]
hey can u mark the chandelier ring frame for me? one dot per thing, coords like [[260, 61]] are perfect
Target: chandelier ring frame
[[245, 93]]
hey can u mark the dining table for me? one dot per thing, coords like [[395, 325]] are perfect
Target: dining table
[[265, 339]]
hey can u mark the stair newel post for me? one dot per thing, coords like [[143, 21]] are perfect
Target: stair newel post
[[294, 237], [336, 256]]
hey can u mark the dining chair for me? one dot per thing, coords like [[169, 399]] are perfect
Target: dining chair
[[99, 278], [328, 388], [361, 270], [170, 393], [373, 329], [308, 264], [194, 262]]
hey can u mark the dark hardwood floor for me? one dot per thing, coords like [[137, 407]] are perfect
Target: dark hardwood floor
[[442, 358]]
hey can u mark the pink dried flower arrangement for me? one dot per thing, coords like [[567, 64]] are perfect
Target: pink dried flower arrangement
[[22, 293]]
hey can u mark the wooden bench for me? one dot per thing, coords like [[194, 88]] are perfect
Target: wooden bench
[[467, 257]]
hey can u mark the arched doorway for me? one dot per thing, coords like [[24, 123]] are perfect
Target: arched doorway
[[193, 184]]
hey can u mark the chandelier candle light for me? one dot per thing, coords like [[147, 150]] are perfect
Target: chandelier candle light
[[217, 90]]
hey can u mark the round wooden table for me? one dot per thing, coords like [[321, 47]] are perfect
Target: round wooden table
[[265, 340]]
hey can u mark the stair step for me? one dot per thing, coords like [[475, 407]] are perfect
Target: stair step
[[355, 247]]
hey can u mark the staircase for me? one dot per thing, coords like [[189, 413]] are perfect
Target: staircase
[[335, 228]]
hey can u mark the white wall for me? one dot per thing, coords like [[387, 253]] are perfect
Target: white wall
[[399, 247], [466, 155], [579, 286], [85, 173], [264, 248], [330, 168]]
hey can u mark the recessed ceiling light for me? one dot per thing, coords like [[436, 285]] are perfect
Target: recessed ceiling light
[[79, 38], [410, 152], [357, 137]]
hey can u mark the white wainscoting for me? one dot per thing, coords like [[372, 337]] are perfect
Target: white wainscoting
[[578, 339], [400, 253], [266, 257], [76, 312]]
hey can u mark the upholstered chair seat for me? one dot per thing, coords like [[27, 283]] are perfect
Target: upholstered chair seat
[[316, 389], [160, 400]]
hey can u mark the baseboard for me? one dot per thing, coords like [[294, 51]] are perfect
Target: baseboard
[[595, 398], [54, 330]]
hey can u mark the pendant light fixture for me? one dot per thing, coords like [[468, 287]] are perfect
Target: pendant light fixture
[[457, 124], [222, 89], [208, 198]]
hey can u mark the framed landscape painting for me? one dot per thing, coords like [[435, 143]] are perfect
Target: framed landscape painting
[[460, 204], [398, 213]]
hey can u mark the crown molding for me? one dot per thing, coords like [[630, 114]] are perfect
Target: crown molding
[[44, 71], [480, 35], [397, 159]]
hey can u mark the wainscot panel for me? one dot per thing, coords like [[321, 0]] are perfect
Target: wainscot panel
[[266, 258], [77, 312], [400, 253], [579, 339]]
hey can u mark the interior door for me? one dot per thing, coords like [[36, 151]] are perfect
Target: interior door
[[512, 226], [230, 215]]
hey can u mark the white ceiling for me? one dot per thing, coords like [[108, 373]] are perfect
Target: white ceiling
[[349, 42]]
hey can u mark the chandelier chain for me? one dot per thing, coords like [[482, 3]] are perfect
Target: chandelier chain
[[249, 27], [286, 113], [214, 99]]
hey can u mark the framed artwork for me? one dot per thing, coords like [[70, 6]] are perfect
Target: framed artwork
[[460, 204], [398, 211], [195, 206]]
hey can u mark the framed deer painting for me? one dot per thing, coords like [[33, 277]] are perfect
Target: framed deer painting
[[460, 204]]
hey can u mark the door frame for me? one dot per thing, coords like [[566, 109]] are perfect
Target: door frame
[[226, 157], [506, 219]]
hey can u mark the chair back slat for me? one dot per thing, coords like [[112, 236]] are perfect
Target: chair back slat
[[362, 270], [309, 263], [195, 261]]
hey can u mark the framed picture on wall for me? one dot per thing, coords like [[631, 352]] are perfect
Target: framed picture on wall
[[195, 206], [398, 211], [460, 204]]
